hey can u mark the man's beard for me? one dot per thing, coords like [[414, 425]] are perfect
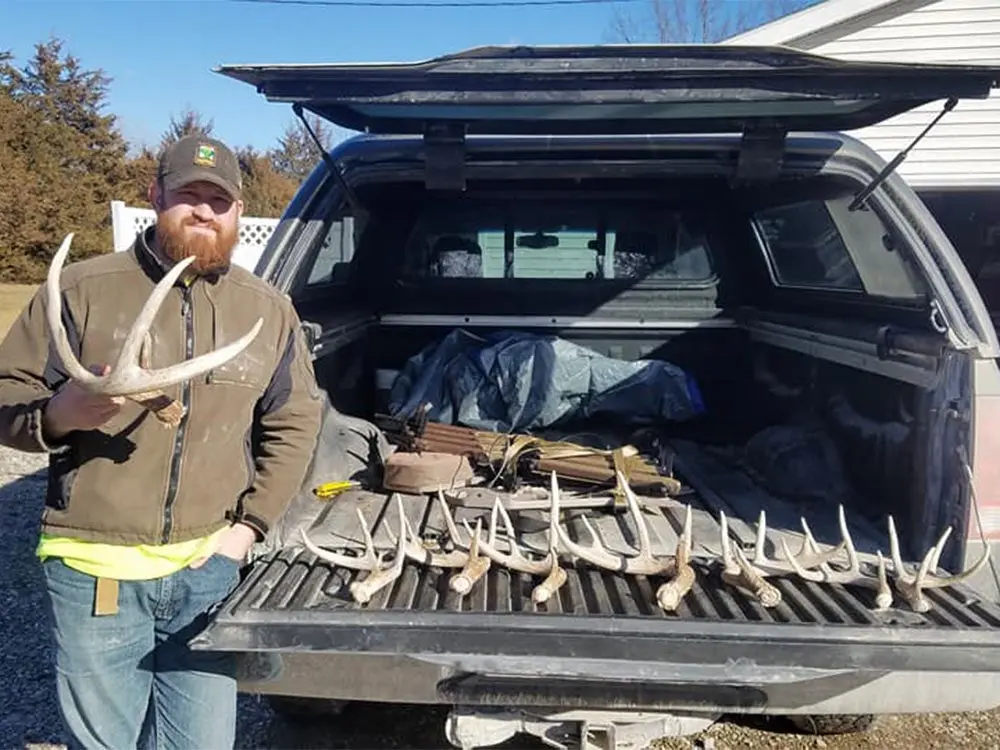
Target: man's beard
[[211, 253]]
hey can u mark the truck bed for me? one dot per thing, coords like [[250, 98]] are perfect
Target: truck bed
[[292, 602]]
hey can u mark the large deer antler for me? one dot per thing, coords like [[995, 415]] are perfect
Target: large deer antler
[[419, 552], [473, 565], [750, 575], [370, 561], [911, 585], [644, 563], [516, 560], [678, 567], [128, 378], [849, 576]]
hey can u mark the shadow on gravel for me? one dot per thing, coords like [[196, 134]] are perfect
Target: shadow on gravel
[[28, 710], [375, 727], [770, 724]]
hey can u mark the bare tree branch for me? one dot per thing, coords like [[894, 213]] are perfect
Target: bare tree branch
[[697, 21]]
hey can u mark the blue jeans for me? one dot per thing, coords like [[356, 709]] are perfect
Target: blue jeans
[[128, 680]]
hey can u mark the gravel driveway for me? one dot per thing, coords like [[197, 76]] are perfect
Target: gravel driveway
[[28, 712]]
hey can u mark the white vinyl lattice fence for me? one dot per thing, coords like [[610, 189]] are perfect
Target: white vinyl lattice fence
[[127, 221]]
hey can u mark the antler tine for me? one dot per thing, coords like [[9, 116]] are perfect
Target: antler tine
[[379, 577], [760, 558], [937, 549], [128, 357], [817, 558], [368, 561], [597, 554], [556, 575], [420, 554], [728, 560], [737, 570], [854, 564], [515, 559], [688, 538], [761, 536], [128, 378], [449, 521], [53, 314], [475, 567], [498, 511], [645, 547], [851, 577], [192, 368], [894, 552], [911, 585], [495, 513]]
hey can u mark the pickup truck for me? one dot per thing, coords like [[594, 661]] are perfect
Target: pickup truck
[[668, 264]]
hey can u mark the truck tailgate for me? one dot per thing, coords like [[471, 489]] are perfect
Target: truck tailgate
[[291, 602]]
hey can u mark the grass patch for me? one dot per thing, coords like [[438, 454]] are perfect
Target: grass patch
[[13, 298]]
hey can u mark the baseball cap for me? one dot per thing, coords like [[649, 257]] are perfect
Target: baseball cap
[[196, 158]]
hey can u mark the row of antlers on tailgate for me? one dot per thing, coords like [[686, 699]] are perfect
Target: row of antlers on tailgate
[[473, 555]]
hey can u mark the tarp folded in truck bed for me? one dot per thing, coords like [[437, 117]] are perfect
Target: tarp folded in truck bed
[[516, 381]]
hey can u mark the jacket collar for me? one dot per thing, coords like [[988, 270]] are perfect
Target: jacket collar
[[156, 266]]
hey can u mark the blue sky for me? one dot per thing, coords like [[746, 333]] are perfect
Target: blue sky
[[160, 53]]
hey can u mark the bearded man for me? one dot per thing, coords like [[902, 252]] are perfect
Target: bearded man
[[146, 526]]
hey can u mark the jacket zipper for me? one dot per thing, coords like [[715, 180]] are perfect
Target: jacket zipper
[[175, 464]]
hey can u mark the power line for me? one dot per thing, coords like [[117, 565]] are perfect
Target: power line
[[441, 4]]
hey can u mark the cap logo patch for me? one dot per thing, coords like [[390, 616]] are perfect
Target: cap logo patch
[[205, 155]]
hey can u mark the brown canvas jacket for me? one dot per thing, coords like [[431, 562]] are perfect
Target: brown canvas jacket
[[240, 453]]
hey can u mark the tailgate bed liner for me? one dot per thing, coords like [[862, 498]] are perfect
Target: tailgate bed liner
[[291, 601]]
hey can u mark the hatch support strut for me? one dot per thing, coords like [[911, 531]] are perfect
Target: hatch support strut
[[352, 198], [891, 167]]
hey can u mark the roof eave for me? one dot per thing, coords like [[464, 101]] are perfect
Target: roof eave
[[824, 16]]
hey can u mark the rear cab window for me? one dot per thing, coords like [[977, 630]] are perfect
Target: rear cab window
[[559, 242]]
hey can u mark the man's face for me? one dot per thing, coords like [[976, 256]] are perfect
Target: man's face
[[198, 219]]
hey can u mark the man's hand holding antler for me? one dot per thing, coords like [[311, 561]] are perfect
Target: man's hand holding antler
[[75, 408]]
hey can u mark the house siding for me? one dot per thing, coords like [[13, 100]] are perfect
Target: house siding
[[964, 147]]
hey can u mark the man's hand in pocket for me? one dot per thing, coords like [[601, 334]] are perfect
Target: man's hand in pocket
[[234, 543]]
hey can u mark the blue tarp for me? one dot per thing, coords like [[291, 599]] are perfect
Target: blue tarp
[[516, 381]]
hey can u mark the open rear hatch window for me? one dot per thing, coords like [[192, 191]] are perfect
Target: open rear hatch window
[[628, 89]]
